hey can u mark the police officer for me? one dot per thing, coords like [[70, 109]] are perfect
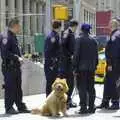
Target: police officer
[[51, 52], [112, 69], [85, 62], [11, 69], [68, 42]]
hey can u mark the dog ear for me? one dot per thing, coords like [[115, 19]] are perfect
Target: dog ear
[[53, 86], [56, 81], [65, 85]]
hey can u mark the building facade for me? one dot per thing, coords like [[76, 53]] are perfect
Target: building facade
[[88, 13], [109, 5], [31, 14]]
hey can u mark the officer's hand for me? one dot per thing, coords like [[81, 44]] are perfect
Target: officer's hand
[[3, 86], [75, 74], [20, 60], [109, 68]]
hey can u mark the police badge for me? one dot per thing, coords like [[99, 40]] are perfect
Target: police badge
[[53, 39], [4, 41]]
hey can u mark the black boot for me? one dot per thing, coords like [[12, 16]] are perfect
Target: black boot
[[23, 109], [103, 105], [83, 110], [11, 111], [114, 106], [91, 110], [71, 105]]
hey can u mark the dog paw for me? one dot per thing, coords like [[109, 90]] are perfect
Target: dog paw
[[35, 111]]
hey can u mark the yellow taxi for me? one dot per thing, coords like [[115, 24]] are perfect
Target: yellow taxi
[[100, 72]]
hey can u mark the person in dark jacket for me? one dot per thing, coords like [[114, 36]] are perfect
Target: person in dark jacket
[[68, 42], [51, 53], [85, 61], [11, 69], [112, 53]]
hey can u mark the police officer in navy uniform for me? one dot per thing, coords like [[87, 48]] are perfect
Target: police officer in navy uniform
[[11, 69], [112, 53], [68, 42], [85, 61], [52, 52]]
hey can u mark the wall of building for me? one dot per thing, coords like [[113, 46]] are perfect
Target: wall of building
[[106, 5], [88, 13], [31, 14]]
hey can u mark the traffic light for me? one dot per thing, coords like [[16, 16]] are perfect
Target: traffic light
[[60, 12]]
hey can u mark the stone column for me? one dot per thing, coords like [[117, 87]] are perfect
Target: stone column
[[40, 18], [2, 15], [11, 8], [27, 17], [19, 13], [34, 17], [48, 16]]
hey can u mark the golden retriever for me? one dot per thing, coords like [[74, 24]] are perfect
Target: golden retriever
[[55, 103]]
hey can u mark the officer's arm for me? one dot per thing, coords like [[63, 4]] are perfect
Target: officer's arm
[[108, 54], [6, 53], [118, 44], [72, 46], [96, 44], [97, 60], [76, 56]]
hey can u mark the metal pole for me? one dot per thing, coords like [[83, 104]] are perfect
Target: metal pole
[[23, 49], [76, 11], [48, 16]]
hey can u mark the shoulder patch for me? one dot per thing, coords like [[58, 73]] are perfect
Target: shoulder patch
[[53, 39], [4, 41], [115, 35]]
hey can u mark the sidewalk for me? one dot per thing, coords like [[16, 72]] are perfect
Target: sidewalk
[[35, 101]]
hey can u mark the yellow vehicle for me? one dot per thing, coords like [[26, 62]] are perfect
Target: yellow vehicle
[[100, 72], [101, 65]]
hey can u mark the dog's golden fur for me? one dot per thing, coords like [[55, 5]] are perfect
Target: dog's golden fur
[[55, 103]]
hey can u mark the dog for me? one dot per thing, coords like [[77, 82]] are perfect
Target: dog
[[56, 103]]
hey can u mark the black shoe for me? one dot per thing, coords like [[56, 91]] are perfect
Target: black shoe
[[114, 107], [91, 110], [72, 105], [11, 111], [82, 111], [24, 111], [103, 105]]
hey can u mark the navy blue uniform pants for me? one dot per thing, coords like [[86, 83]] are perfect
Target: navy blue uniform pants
[[13, 90], [67, 73], [85, 85], [110, 91], [51, 73]]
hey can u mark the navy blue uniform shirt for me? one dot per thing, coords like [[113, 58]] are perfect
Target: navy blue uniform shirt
[[68, 43], [112, 50], [9, 48], [51, 48]]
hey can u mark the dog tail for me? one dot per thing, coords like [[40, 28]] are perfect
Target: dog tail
[[36, 111]]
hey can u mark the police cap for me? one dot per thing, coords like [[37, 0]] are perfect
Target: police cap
[[86, 27]]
